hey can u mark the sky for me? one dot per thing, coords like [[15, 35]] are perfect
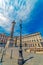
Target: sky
[[29, 11]]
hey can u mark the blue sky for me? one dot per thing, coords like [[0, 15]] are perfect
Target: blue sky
[[29, 11]]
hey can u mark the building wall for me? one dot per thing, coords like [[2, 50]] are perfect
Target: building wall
[[3, 38], [32, 40]]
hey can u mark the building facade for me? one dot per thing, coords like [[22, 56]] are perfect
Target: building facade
[[3, 40], [31, 40]]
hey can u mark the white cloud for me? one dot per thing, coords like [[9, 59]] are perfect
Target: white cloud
[[2, 17], [11, 7], [25, 10], [10, 13], [4, 22], [0, 3]]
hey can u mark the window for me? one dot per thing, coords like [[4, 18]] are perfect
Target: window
[[37, 40], [35, 44], [39, 45], [32, 40], [25, 44], [40, 39]]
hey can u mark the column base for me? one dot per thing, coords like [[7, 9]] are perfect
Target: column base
[[20, 61]]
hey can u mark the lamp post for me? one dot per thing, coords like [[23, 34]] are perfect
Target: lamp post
[[20, 60]]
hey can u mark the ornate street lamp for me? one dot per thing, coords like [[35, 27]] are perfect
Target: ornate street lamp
[[20, 60]]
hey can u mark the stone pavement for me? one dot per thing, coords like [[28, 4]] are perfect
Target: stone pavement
[[30, 58]]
